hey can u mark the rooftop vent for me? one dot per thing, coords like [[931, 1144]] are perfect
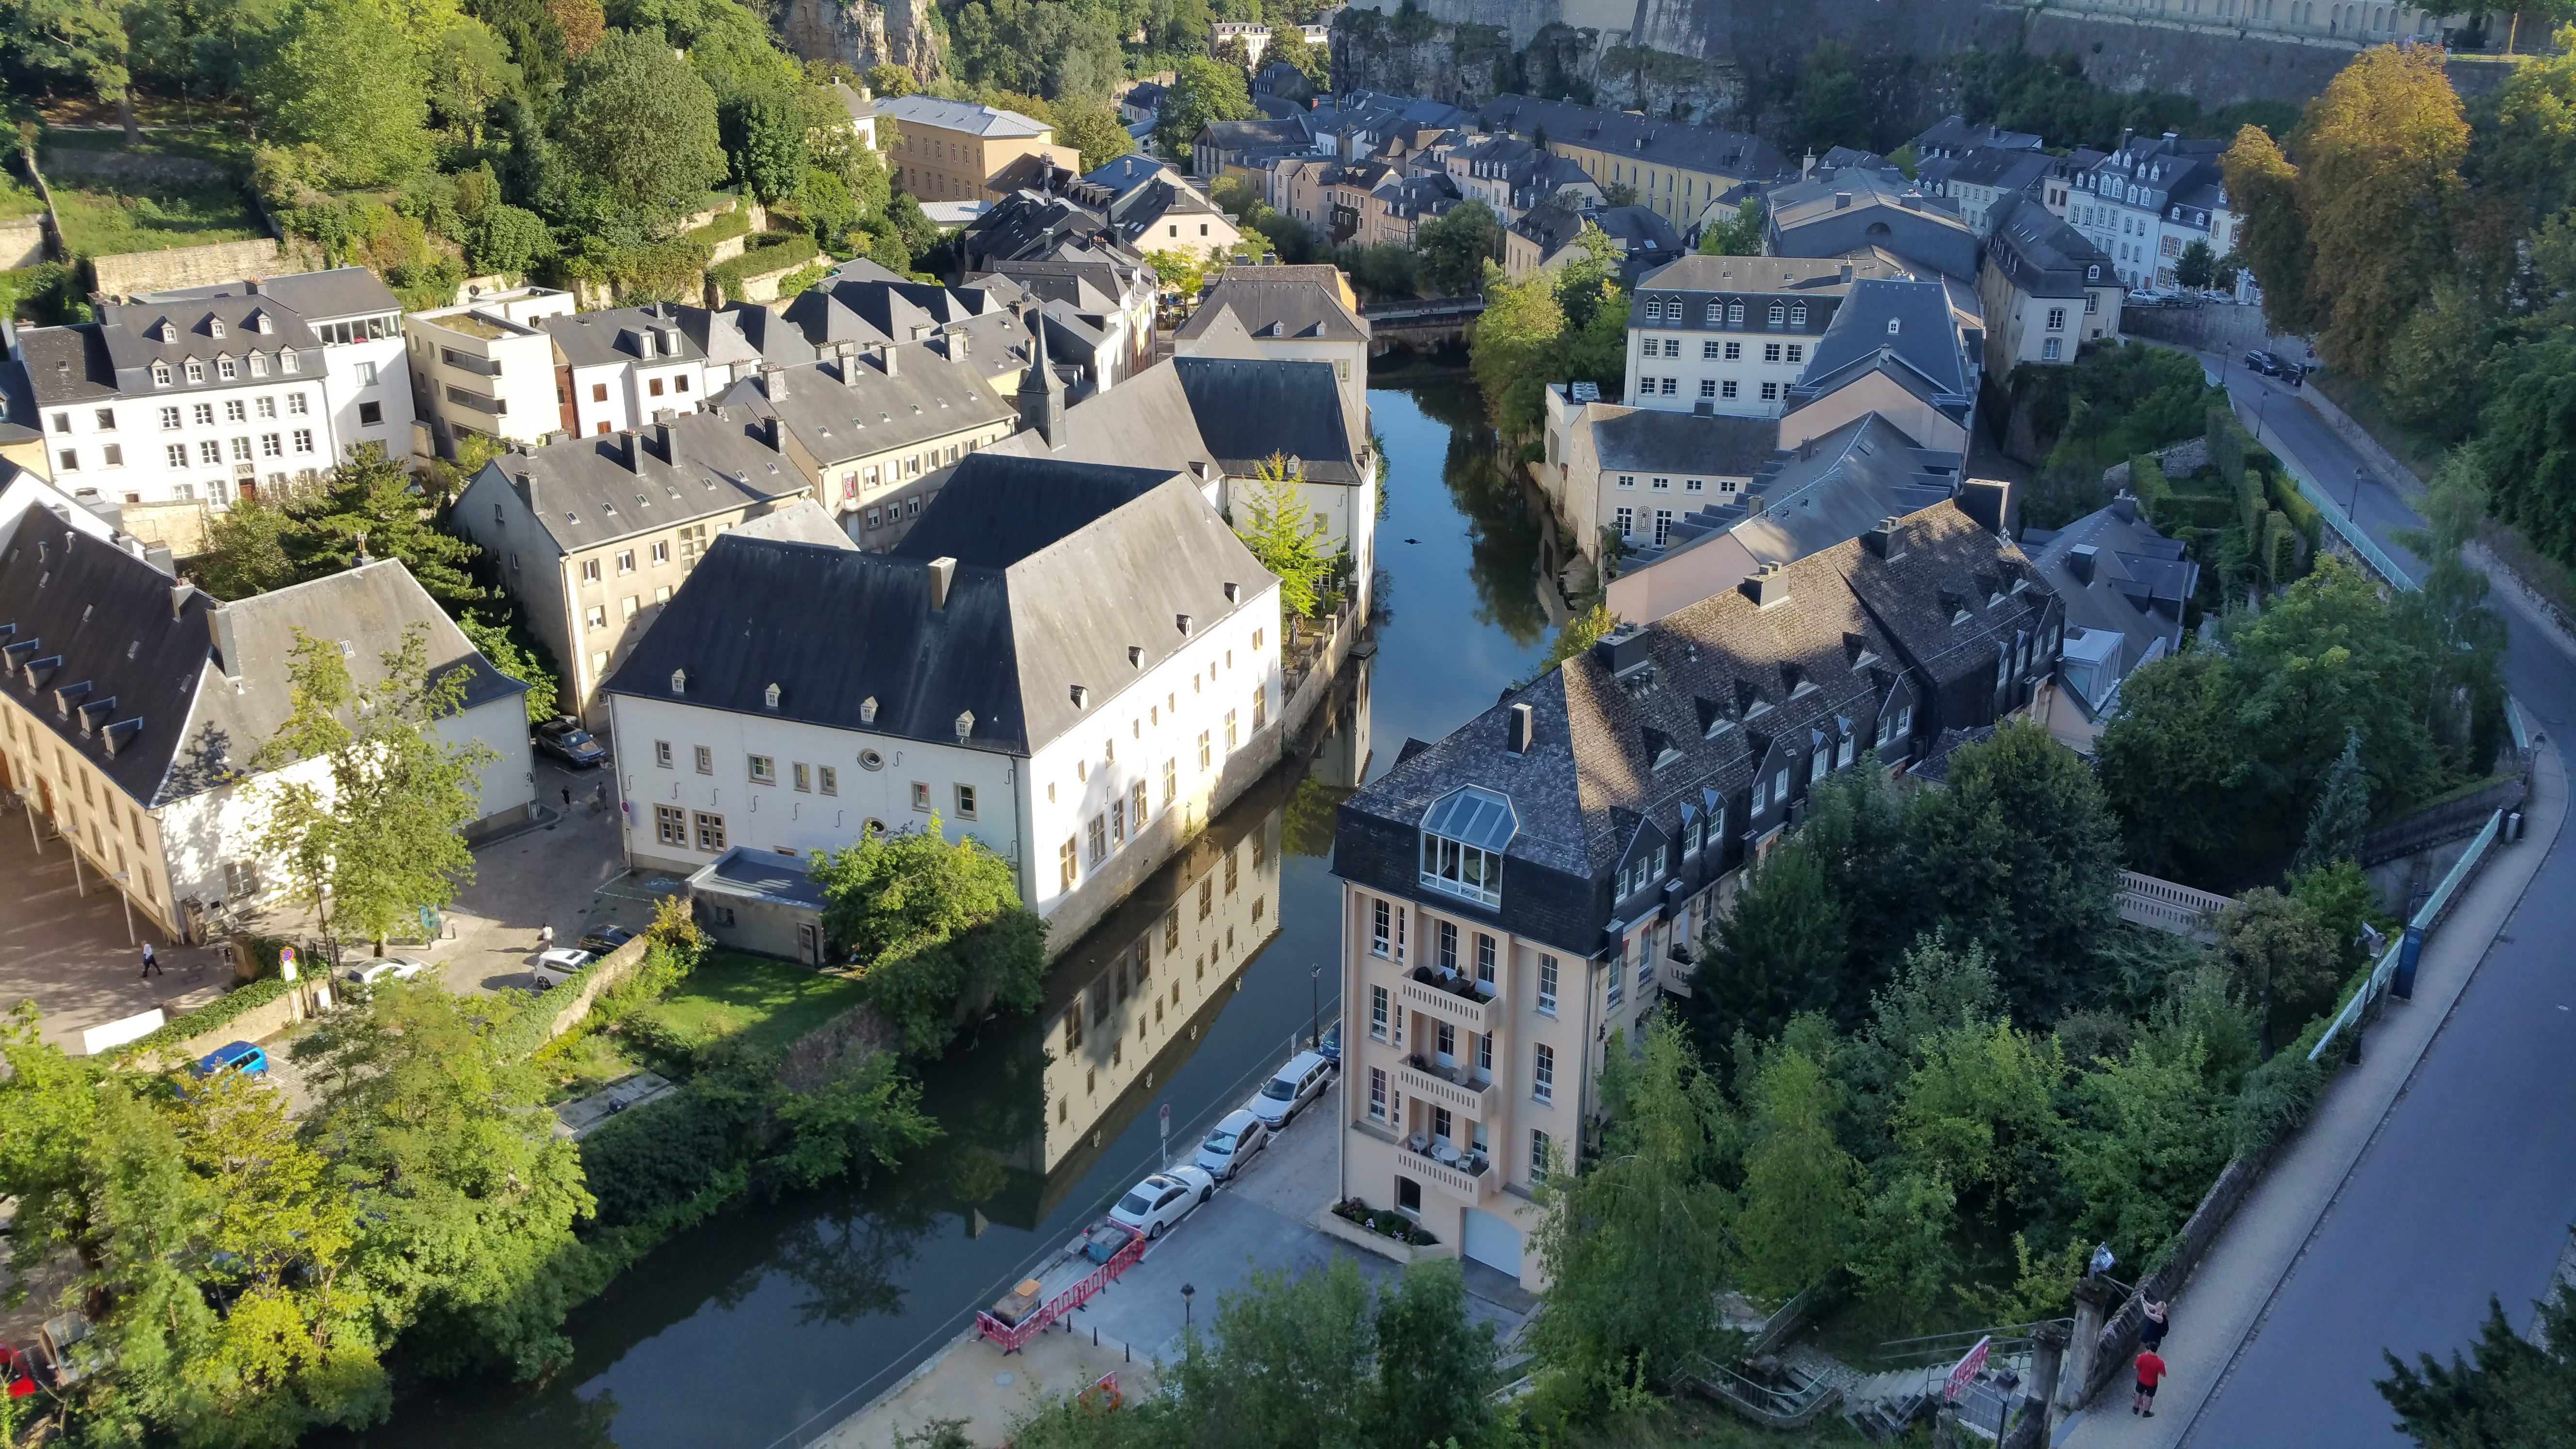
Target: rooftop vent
[[943, 572], [1767, 587], [1135, 656]]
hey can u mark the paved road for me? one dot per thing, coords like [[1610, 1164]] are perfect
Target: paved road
[[2469, 1187]]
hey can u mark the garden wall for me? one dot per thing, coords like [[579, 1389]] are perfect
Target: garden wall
[[597, 977], [22, 242], [132, 273]]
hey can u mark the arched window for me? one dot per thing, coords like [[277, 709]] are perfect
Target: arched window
[[1779, 313]]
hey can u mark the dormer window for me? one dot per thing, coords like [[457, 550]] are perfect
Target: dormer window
[[259, 364], [1798, 315], [214, 327], [169, 332], [160, 374], [196, 370], [1892, 325], [1734, 314], [286, 360], [226, 369], [1779, 313], [1463, 837]]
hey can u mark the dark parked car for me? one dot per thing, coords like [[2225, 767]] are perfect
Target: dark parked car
[[565, 739], [2263, 362], [605, 940]]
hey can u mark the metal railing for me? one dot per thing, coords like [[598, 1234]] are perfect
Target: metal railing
[[1944, 1349], [2401, 952], [1778, 1406], [2362, 545]]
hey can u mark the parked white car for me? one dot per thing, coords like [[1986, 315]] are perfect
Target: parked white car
[[1231, 1145], [1152, 1206], [554, 966], [1298, 1083], [390, 968]]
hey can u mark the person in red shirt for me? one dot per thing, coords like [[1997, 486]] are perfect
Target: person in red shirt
[[2151, 1371]]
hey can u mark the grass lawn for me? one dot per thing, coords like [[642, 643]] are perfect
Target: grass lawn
[[100, 223], [17, 200], [762, 1003]]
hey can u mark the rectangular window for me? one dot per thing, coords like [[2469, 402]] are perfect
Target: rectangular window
[[1448, 947], [296, 406], [1770, 352], [1708, 352], [1260, 708], [303, 437], [596, 616], [210, 453], [706, 760], [1485, 961], [1542, 1156], [662, 753], [711, 832], [1117, 823], [1229, 729], [1064, 865], [1171, 782], [626, 561], [829, 778], [764, 770], [1381, 927], [2048, 350], [1136, 799], [1708, 387], [272, 445], [1203, 751], [1645, 969], [590, 571], [1543, 1074], [965, 802], [1618, 983], [176, 454], [661, 554], [1627, 523], [921, 795], [1770, 392], [370, 414], [1378, 1012], [1547, 984], [2056, 319], [1099, 831], [671, 826], [1726, 388], [803, 775], [1377, 1093], [267, 407]]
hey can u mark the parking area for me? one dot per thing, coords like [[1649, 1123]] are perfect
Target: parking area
[[1263, 1221], [64, 943], [566, 869]]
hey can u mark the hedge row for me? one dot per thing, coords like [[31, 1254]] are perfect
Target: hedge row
[[221, 1011], [789, 250]]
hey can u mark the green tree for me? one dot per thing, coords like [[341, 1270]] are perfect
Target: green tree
[[936, 930], [1636, 1242], [643, 125], [1979, 1111], [1801, 1199], [2019, 852], [74, 44], [1288, 44], [1290, 1364], [867, 1114], [345, 78], [1091, 126], [499, 642], [2511, 1390], [2431, 380], [2285, 963], [1179, 271], [1283, 535], [367, 506], [1741, 237], [2148, 1134], [890, 80], [1511, 345], [370, 838], [2197, 267], [508, 239], [765, 136], [1455, 247], [1203, 91], [2342, 813], [1435, 1364], [1779, 951], [468, 70], [2264, 188], [2379, 184], [441, 1144], [1833, 110]]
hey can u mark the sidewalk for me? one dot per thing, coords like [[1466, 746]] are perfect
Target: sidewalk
[[2223, 1304], [988, 1390]]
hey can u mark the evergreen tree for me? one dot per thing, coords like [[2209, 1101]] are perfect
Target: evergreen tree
[[2510, 1393], [1435, 1364], [2342, 816], [1780, 951], [1283, 535]]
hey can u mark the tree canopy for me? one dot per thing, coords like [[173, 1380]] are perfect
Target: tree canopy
[[934, 929]]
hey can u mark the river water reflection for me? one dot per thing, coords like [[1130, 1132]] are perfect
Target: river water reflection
[[781, 1318]]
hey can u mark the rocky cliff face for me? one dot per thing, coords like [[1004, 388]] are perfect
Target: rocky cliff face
[[863, 33]]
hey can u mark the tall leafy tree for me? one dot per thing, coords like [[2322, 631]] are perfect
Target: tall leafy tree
[[468, 70], [344, 77], [1780, 951], [1455, 247], [936, 930], [1203, 91], [1289, 1366], [2264, 188], [1091, 126], [1435, 1364], [2342, 815], [77, 45], [369, 838], [1281, 533], [2379, 183], [2286, 962], [1801, 1195], [643, 125], [1739, 237], [1288, 45]]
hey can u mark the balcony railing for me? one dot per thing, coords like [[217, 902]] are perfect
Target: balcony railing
[[1458, 1092], [1475, 1012], [1474, 1186]]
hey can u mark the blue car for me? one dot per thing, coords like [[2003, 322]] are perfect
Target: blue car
[[237, 1058], [1331, 1046]]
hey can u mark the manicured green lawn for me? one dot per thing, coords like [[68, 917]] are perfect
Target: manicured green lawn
[[762, 1003]]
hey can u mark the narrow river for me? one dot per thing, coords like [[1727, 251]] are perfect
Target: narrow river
[[771, 1323]]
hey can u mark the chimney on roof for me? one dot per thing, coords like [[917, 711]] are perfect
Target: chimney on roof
[[1516, 730], [1768, 586], [773, 381], [1842, 200], [886, 358], [2125, 507], [2079, 562], [251, 285], [1989, 501], [1884, 542], [219, 631], [627, 457], [943, 572], [662, 442], [1620, 650], [179, 596], [772, 434]]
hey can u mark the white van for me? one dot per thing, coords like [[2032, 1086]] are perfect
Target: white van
[[1298, 1083]]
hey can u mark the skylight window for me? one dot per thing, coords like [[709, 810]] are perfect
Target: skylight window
[[1463, 837]]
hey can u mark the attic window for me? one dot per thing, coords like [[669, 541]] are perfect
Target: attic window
[[679, 681], [1081, 697], [574, 517], [1891, 326], [1135, 656], [769, 697], [1463, 838]]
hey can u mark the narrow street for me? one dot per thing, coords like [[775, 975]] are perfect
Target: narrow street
[[2466, 1189]]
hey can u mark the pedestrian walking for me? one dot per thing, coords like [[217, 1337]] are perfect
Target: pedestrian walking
[[2159, 1322], [2151, 1372], [567, 797], [545, 938], [599, 796], [151, 963]]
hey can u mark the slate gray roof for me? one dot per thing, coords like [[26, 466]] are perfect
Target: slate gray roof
[[1647, 139], [1648, 440], [1250, 408], [1925, 343], [2008, 170], [848, 408], [1806, 221], [2138, 586], [2041, 255], [1275, 302], [324, 296], [1954, 134], [1061, 569], [588, 491], [1227, 137], [134, 654], [745, 332], [801, 520], [966, 116], [1832, 488], [745, 873], [613, 334]]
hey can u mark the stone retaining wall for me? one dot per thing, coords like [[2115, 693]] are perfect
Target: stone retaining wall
[[131, 273], [610, 970], [22, 242]]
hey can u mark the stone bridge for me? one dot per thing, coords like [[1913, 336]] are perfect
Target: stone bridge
[[1420, 325]]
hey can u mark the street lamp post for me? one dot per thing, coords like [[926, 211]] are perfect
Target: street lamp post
[[2351, 510], [1314, 1003], [1187, 1293]]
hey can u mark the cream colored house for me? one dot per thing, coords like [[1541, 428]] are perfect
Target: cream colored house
[[952, 150]]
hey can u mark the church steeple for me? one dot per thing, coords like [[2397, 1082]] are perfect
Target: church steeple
[[1041, 397]]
